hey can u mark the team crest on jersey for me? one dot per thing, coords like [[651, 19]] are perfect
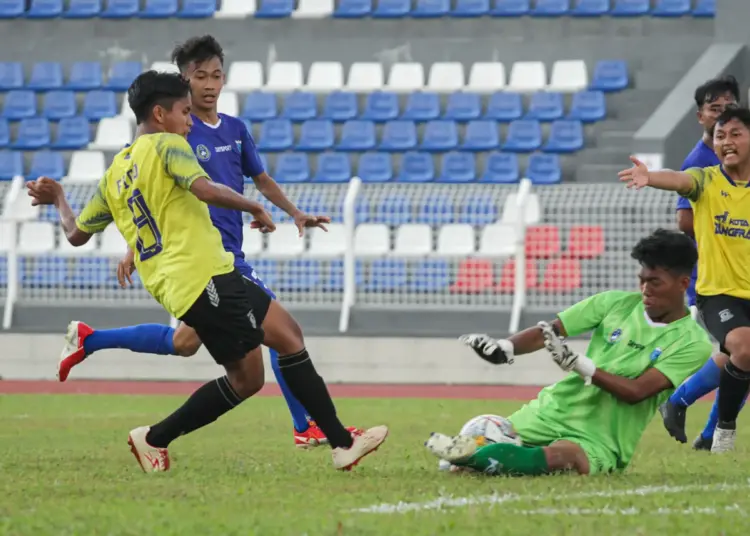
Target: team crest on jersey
[[203, 153], [615, 335], [655, 354]]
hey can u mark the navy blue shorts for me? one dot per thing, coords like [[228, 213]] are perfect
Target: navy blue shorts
[[248, 272]]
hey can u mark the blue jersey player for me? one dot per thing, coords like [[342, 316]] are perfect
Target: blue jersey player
[[711, 99], [226, 150]]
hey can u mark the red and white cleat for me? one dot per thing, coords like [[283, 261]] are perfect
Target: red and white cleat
[[314, 436], [151, 459], [365, 442], [73, 353]]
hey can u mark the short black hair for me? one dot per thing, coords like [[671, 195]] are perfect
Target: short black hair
[[670, 250], [153, 88], [197, 49], [716, 87], [741, 114]]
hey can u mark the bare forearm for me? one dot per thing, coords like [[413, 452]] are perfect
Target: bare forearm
[[624, 389], [675, 181], [531, 339], [269, 189], [67, 217]]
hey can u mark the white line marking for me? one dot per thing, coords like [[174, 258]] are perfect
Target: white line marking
[[457, 502], [735, 509]]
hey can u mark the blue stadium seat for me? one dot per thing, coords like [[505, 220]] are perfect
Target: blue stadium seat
[[159, 9], [705, 8], [504, 107], [511, 8], [276, 135], [83, 9], [630, 8], [33, 133], [393, 209], [416, 167], [588, 106], [440, 136], [44, 272], [375, 167], [565, 136], [120, 9], [544, 169], [4, 133], [46, 76], [399, 136], [386, 275], [610, 75], [11, 75], [11, 164], [463, 106], [431, 275], [357, 135], [59, 105], [457, 167], [45, 9], [590, 8], [478, 210], [122, 75], [422, 106], [72, 133], [313, 203], [391, 9], [380, 106], [550, 8], [197, 9], [12, 9], [340, 106], [47, 164], [524, 136], [436, 209], [334, 282], [471, 8], [427, 9], [85, 76], [353, 9], [87, 273], [316, 135], [268, 269], [260, 106], [99, 104], [481, 135], [274, 9], [545, 106], [299, 275], [333, 167], [299, 106], [19, 104], [501, 168], [671, 8], [292, 167]]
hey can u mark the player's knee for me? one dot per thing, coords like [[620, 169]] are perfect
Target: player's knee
[[186, 348], [567, 456], [245, 383], [738, 343], [720, 359]]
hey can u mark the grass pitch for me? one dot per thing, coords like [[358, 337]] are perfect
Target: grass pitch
[[66, 470]]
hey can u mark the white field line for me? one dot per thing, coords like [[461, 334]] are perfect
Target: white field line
[[734, 509], [459, 502]]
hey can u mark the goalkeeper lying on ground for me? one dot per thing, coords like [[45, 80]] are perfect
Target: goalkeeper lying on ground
[[643, 344]]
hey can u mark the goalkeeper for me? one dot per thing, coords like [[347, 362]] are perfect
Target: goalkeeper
[[643, 344]]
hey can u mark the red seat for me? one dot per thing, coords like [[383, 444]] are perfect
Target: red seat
[[507, 281], [586, 242], [542, 242], [562, 275], [474, 276]]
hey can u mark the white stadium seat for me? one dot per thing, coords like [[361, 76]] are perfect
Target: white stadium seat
[[569, 76], [456, 239], [313, 9], [228, 104], [532, 213], [446, 77], [7, 235], [252, 241], [371, 240], [325, 76], [497, 240], [112, 134], [236, 9], [112, 243], [527, 76], [20, 208], [285, 76], [245, 76], [330, 244], [36, 237], [125, 110], [405, 77], [86, 166], [413, 240], [165, 66], [64, 247], [285, 241], [486, 77], [365, 76]]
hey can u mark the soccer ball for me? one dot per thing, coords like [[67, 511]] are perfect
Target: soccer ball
[[493, 428]]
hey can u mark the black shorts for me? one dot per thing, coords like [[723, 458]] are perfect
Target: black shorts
[[227, 316], [722, 314]]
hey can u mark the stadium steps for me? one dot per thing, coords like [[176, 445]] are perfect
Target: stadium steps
[[598, 172], [605, 156]]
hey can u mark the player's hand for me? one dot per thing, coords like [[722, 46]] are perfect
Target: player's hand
[[44, 191], [263, 220], [635, 177], [125, 269], [497, 352], [303, 220], [563, 356]]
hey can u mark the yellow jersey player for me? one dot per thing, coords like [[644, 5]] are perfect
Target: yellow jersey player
[[719, 196], [157, 194]]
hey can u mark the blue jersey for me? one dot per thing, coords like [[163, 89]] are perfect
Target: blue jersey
[[701, 156]]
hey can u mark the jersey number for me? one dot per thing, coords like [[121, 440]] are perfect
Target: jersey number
[[143, 219]]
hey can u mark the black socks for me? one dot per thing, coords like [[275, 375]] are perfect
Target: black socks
[[733, 387]]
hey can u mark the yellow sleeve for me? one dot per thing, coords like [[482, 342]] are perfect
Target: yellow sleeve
[[96, 215], [179, 160], [699, 183]]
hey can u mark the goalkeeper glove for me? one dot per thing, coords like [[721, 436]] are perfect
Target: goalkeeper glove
[[566, 359], [497, 352]]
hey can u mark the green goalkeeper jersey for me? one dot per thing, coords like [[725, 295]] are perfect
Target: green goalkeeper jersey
[[626, 342]]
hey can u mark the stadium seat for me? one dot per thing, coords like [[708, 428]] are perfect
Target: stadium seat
[[524, 136], [113, 244], [427, 9], [4, 133], [59, 105], [671, 8], [588, 107], [333, 167], [285, 76], [544, 169], [325, 76], [542, 241], [386, 275], [228, 103], [245, 76], [44, 9], [371, 239], [446, 77], [99, 104], [11, 75], [19, 104], [610, 75], [159, 9], [365, 77], [501, 168], [236, 9], [11, 9], [380, 106], [413, 240], [497, 240], [164, 67], [11, 164], [463, 107], [545, 106], [357, 135], [285, 241], [440, 136], [122, 74], [291, 168], [330, 244], [112, 134], [340, 106], [457, 167], [590, 8], [568, 76], [504, 107], [471, 8], [391, 9], [421, 106], [436, 209], [36, 237], [375, 167], [276, 135], [298, 106], [565, 136], [507, 281], [532, 211], [33, 133], [73, 133], [585, 242], [353, 9], [83, 9], [630, 8], [481, 135], [46, 76], [85, 76], [429, 276], [120, 9], [705, 8], [316, 135], [562, 275], [416, 167], [474, 277], [511, 8], [550, 8], [406, 77], [299, 275], [393, 209], [399, 136], [478, 210], [86, 166], [313, 9], [126, 112], [197, 9], [527, 76], [486, 77], [260, 106], [456, 240]]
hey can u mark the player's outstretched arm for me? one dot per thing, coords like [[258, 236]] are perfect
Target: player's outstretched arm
[[640, 176], [502, 351], [46, 191], [213, 193]]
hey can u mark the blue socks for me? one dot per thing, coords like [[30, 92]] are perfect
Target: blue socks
[[143, 338], [701, 383], [300, 417]]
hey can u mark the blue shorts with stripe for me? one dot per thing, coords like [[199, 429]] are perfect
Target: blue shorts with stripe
[[248, 272]]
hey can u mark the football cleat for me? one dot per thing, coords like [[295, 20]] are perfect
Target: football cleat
[[151, 459], [723, 440], [365, 442], [673, 417], [314, 436], [73, 352], [453, 448], [702, 443]]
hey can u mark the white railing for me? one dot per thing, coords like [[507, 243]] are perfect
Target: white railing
[[350, 280], [10, 217], [519, 286]]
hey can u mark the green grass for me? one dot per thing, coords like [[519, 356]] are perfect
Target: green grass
[[66, 470]]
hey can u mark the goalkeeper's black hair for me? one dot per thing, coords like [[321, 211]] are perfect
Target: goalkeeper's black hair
[[671, 250], [198, 50], [715, 88], [154, 88], [740, 114]]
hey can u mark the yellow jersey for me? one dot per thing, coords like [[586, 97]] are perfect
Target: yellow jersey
[[146, 192], [722, 230]]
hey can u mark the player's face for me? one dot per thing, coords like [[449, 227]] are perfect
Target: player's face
[[178, 119], [206, 81], [732, 143], [710, 111], [661, 290]]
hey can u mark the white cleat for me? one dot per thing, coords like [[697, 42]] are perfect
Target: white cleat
[[723, 440], [453, 449], [151, 459], [364, 443]]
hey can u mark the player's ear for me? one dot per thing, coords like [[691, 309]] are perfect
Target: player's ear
[[159, 113]]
